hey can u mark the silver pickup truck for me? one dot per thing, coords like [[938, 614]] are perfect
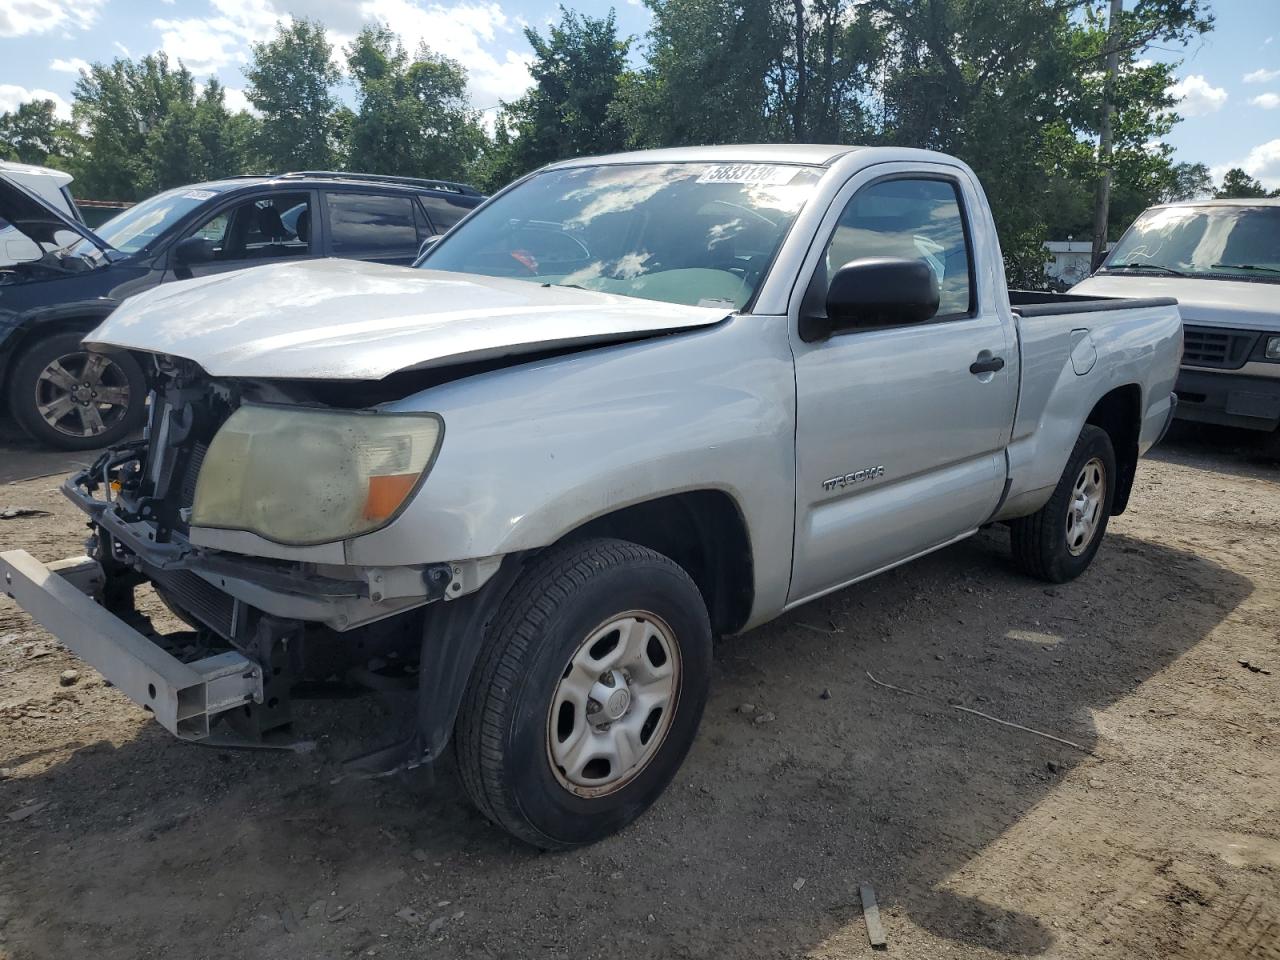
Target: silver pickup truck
[[630, 404]]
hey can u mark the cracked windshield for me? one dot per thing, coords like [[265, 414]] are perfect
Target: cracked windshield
[[692, 233]]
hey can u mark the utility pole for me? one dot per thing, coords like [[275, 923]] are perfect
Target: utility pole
[[1102, 203]]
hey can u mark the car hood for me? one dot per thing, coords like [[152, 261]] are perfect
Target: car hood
[[1239, 304], [347, 320]]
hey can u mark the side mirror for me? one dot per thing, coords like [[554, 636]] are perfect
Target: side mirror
[[876, 292], [193, 250], [1098, 261]]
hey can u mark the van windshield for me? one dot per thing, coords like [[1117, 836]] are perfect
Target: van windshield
[[691, 233], [1236, 242]]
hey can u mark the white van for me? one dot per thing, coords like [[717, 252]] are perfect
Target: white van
[[1221, 260], [51, 186]]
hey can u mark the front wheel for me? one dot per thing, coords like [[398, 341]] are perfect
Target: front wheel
[[588, 693], [1058, 542]]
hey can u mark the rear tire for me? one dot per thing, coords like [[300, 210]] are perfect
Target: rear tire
[[1059, 541], [68, 398], [587, 695]]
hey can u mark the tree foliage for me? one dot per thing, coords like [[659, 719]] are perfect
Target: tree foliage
[[413, 117], [291, 83], [1013, 87], [577, 71], [1236, 184], [33, 134]]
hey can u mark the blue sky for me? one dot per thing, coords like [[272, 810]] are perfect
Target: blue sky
[[1229, 81]]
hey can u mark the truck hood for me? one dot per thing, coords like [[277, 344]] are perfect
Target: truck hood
[[347, 320], [1239, 304]]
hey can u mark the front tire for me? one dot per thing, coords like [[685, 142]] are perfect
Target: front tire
[[1059, 541], [68, 398], [587, 695]]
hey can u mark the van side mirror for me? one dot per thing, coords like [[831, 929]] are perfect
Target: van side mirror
[[193, 250], [876, 292]]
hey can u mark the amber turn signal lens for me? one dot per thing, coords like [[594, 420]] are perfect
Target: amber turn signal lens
[[387, 493]]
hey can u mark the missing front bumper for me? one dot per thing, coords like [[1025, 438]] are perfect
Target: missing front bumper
[[183, 697]]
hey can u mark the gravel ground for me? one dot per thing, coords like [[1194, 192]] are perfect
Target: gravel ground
[[1159, 838]]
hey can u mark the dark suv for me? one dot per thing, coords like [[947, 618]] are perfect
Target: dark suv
[[65, 397]]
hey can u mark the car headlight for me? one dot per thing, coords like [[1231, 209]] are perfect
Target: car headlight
[[305, 476], [1272, 350]]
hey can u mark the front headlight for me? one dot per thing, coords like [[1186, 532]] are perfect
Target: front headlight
[[304, 476], [1272, 350]]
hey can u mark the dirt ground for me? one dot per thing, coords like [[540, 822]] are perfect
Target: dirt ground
[[1161, 841]]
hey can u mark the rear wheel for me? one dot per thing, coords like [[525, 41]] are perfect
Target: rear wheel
[[66, 397], [588, 693], [1059, 541]]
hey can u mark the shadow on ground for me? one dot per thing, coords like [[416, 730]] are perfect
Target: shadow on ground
[[154, 848]]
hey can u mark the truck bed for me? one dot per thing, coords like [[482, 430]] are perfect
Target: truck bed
[[1036, 303]]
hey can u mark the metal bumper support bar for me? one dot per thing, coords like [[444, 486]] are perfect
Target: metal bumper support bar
[[184, 697]]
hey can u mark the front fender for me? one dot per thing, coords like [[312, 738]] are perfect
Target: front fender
[[534, 451]]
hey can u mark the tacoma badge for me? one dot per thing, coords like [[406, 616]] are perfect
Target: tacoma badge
[[858, 476]]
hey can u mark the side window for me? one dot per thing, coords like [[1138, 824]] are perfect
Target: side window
[[266, 228], [445, 211], [913, 219], [368, 224]]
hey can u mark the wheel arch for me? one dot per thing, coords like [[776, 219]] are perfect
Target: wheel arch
[[1119, 413], [77, 317], [704, 531]]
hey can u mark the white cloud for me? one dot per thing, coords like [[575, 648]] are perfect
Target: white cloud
[[73, 65], [21, 17], [472, 32], [203, 46], [1262, 75], [464, 32], [1267, 101], [1196, 96], [236, 100], [11, 95], [1262, 163]]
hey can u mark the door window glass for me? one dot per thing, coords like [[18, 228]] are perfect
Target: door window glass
[[369, 224], [266, 228], [911, 219], [445, 212]]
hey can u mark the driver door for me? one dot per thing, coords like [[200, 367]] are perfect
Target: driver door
[[899, 443]]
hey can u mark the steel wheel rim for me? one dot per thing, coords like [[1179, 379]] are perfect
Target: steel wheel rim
[[614, 703], [82, 394], [1084, 509]]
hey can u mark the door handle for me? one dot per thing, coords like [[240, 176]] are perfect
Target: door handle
[[986, 365]]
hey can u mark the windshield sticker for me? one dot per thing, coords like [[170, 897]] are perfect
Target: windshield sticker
[[198, 195], [755, 174]]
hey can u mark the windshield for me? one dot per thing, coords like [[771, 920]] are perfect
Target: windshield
[[1235, 242], [136, 227], [691, 233]]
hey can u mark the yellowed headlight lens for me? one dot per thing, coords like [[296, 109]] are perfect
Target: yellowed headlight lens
[[302, 476]]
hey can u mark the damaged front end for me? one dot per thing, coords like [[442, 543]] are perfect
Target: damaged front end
[[259, 624]]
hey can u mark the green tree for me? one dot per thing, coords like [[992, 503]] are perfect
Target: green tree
[[413, 116], [291, 81], [715, 73], [1238, 184], [33, 134], [1187, 181], [571, 110], [146, 129]]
